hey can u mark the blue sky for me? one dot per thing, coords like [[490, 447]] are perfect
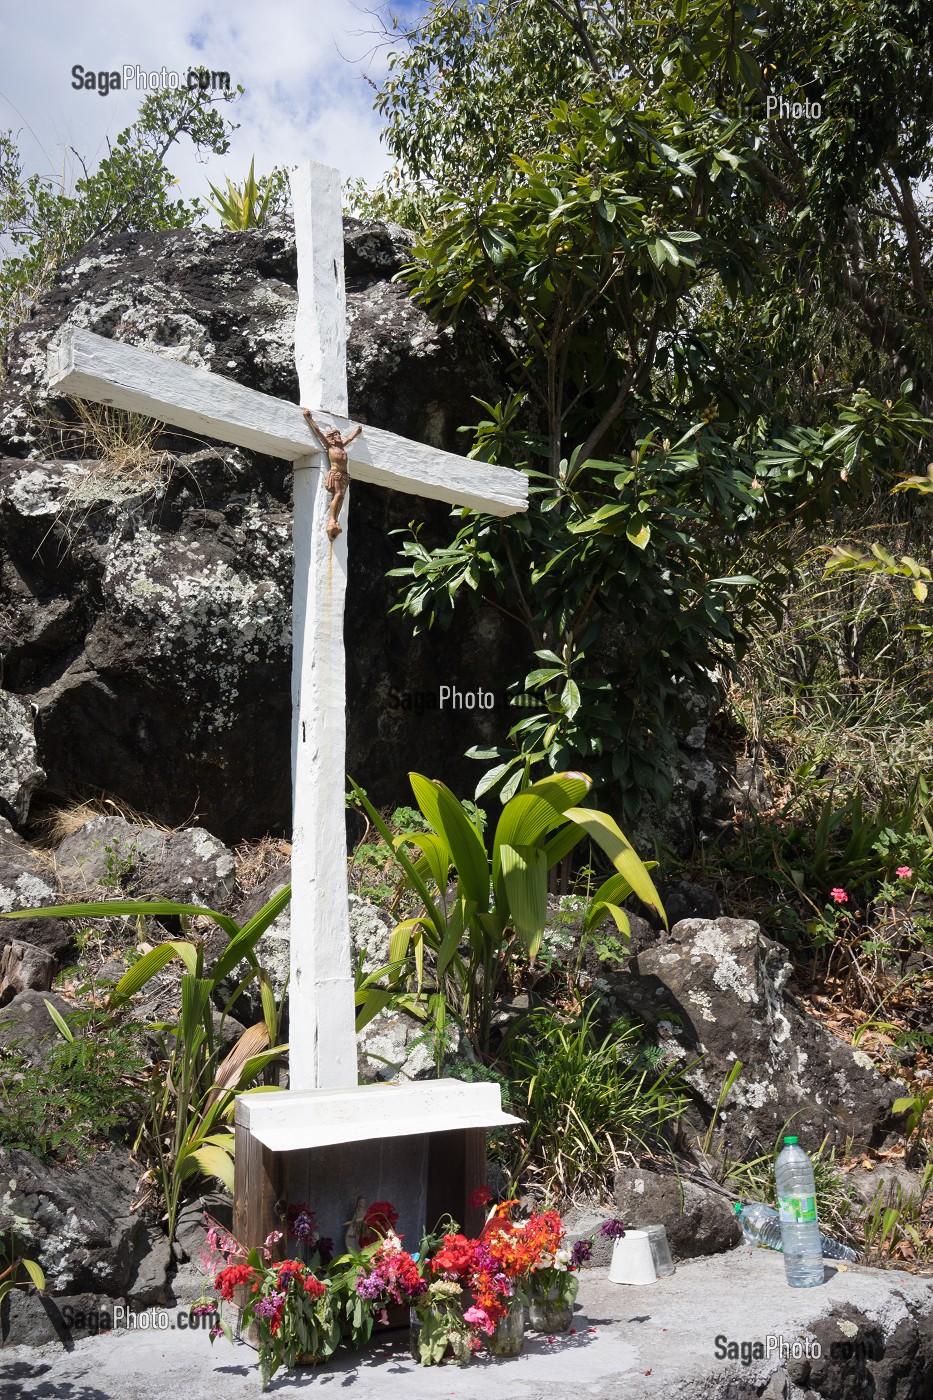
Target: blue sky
[[304, 65]]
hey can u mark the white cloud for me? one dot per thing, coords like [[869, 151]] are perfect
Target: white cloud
[[303, 65]]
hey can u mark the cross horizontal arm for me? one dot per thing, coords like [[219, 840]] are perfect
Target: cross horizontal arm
[[88, 366]]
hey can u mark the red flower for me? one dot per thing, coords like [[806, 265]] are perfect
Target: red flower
[[289, 1268], [455, 1256], [380, 1218], [233, 1277], [314, 1287], [481, 1197]]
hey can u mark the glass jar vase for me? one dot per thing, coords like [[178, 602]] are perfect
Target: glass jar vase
[[551, 1309], [509, 1336]]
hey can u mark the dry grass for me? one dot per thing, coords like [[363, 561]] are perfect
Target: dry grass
[[119, 448], [52, 826], [256, 860]]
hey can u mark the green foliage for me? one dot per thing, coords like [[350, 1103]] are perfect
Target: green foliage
[[500, 905], [587, 1100], [897, 1215], [247, 205], [839, 1201], [617, 219], [88, 1088], [185, 1128], [9, 1276], [131, 190]]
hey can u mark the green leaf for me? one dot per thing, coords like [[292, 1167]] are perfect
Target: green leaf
[[35, 1273], [524, 874], [152, 962], [570, 699], [605, 832], [107, 908], [638, 535], [445, 814], [59, 1020], [212, 1161]]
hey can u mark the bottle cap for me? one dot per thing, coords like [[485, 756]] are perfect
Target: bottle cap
[[791, 1140], [738, 1207]]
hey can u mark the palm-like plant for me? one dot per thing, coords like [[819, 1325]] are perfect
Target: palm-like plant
[[186, 1127], [499, 906], [246, 206]]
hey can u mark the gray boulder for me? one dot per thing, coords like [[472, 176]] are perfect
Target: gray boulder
[[80, 1226], [27, 1027], [24, 967], [28, 882], [715, 991], [119, 858], [395, 1045], [20, 771], [698, 1220]]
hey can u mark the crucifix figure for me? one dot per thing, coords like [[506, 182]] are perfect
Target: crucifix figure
[[337, 481], [324, 1105]]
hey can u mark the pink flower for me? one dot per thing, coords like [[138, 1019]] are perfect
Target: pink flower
[[839, 896], [904, 872], [479, 1317]]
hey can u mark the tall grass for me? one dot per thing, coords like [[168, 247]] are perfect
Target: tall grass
[[588, 1101]]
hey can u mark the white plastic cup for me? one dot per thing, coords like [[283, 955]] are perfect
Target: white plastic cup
[[632, 1260]]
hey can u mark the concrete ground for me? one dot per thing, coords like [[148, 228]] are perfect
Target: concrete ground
[[647, 1343]]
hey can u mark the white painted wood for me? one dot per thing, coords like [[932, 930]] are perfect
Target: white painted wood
[[321, 322], [88, 366], [322, 1020], [289, 1121], [322, 1039]]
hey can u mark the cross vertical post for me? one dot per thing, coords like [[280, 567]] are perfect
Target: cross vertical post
[[322, 1020]]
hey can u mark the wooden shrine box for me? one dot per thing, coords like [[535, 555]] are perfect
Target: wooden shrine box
[[421, 1146]]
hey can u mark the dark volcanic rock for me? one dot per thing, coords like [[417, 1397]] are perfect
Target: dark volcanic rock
[[78, 1224], [715, 992], [27, 882], [80, 1227], [150, 623], [190, 866], [27, 1027], [698, 1220]]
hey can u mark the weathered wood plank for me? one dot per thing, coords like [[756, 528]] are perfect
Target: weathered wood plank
[[322, 1037], [88, 366]]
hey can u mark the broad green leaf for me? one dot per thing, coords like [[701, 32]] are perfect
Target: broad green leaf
[[524, 874], [606, 833], [639, 537], [435, 850], [35, 1273], [530, 815], [107, 908], [152, 962], [450, 821], [212, 1161]]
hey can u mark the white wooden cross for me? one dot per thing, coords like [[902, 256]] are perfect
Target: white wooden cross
[[322, 1014]]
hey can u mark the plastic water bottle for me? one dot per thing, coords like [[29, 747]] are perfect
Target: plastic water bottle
[[800, 1230], [762, 1225]]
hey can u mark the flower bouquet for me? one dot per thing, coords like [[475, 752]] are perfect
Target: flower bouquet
[[295, 1313]]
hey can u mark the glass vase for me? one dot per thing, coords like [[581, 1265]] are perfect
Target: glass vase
[[551, 1309], [509, 1336], [414, 1334]]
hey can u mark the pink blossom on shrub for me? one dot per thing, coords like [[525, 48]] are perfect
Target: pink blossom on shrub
[[839, 896]]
